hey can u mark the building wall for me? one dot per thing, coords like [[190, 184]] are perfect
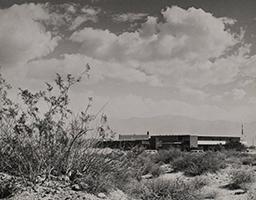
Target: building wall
[[167, 141], [218, 138]]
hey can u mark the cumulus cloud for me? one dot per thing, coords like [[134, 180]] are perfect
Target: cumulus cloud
[[75, 64], [203, 33], [187, 34], [181, 47], [187, 50], [22, 37], [129, 17], [67, 17]]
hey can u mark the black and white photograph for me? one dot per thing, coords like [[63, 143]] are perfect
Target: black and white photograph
[[128, 99]]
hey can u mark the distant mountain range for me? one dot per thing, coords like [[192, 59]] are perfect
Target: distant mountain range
[[180, 124]]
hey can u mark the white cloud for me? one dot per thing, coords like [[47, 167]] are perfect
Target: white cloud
[[88, 14], [229, 21], [129, 17], [149, 28], [216, 98], [252, 100], [194, 94], [205, 35], [249, 69], [238, 94], [77, 22], [69, 16], [22, 37]]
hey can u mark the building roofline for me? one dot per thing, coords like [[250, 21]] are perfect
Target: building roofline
[[231, 136]]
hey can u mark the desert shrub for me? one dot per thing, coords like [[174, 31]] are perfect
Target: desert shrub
[[7, 186], [210, 193], [234, 157], [142, 164], [241, 178], [248, 160], [193, 164], [198, 182], [93, 183], [237, 146], [162, 189], [234, 153], [145, 165], [251, 195], [166, 156], [6, 191], [102, 171], [155, 170], [41, 136]]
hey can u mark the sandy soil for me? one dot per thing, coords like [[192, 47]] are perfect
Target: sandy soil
[[217, 186]]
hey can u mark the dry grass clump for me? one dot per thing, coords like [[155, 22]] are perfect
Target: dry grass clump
[[210, 193], [234, 157], [251, 195], [193, 164], [249, 160], [101, 172], [162, 189], [7, 186], [242, 178], [142, 163], [167, 156]]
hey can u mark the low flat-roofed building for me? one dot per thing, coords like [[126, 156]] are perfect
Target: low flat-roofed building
[[182, 141]]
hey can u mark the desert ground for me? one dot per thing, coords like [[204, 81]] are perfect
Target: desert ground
[[234, 181]]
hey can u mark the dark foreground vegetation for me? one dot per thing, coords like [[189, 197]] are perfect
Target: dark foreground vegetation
[[42, 140]]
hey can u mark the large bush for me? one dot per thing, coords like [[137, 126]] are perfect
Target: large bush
[[41, 136]]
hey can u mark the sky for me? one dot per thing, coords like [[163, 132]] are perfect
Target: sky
[[193, 58]]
